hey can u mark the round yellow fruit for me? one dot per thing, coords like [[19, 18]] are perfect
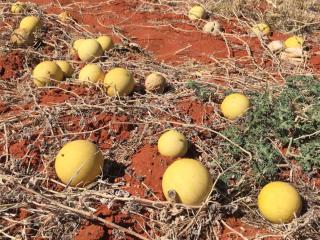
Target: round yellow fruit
[[31, 23], [66, 68], [91, 73], [155, 82], [77, 43], [18, 7], [294, 42], [105, 42], [261, 29], [172, 144], [118, 81], [276, 46], [79, 162], [196, 12], [64, 17], [279, 202], [46, 72], [186, 181], [89, 49], [21, 37], [234, 106], [213, 27]]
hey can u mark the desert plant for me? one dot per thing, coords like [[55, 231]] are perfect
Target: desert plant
[[200, 90], [287, 120]]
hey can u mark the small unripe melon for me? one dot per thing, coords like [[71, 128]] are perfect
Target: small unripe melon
[[212, 27], [46, 72], [79, 163], [294, 42], [155, 83], [18, 7], [172, 144], [118, 81], [91, 73], [261, 29], [105, 42], [187, 181], [89, 49], [295, 52], [279, 202], [276, 46], [234, 106], [77, 43], [197, 12], [21, 37], [75, 46], [31, 23], [66, 68]]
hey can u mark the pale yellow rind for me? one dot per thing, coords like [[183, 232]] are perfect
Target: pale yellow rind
[[294, 42], [31, 23], [78, 163], [261, 29], [279, 202], [66, 68], [89, 49], [105, 42], [189, 179], [21, 37], [91, 73], [213, 28], [18, 7], [77, 43], [118, 81], [234, 106], [46, 72], [196, 12], [172, 144], [155, 83], [276, 46]]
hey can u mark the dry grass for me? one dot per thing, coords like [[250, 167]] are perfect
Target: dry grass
[[291, 16], [58, 214]]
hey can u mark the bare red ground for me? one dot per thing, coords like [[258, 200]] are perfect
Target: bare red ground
[[200, 113], [115, 215], [148, 164], [168, 36], [296, 174], [315, 58], [245, 230], [10, 65]]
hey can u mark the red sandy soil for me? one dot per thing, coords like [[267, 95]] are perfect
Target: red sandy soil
[[245, 230], [171, 38]]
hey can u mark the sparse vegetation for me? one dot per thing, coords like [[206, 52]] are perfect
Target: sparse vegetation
[[282, 15], [200, 90], [277, 138], [280, 126]]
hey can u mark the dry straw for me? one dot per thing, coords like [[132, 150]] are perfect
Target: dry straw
[[57, 215]]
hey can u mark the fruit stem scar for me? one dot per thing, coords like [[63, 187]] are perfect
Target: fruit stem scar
[[172, 195]]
